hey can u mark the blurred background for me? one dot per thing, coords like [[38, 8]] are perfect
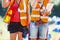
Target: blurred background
[[54, 23]]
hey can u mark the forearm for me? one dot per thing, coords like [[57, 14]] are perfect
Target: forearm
[[5, 3]]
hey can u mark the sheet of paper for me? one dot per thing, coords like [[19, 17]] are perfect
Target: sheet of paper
[[49, 6]]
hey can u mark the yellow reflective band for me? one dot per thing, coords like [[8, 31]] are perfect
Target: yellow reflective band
[[7, 19], [10, 12]]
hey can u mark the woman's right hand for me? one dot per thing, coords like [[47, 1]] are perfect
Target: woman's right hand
[[5, 3]]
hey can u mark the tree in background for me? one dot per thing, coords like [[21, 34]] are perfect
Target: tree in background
[[56, 11], [2, 10]]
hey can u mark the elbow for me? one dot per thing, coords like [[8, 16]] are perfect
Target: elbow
[[4, 6]]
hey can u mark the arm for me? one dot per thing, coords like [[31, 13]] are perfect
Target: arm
[[49, 7], [5, 3], [47, 10]]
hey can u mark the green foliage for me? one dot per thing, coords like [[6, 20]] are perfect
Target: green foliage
[[2, 10], [56, 11]]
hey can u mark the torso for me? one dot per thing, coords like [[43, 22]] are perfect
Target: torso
[[15, 17]]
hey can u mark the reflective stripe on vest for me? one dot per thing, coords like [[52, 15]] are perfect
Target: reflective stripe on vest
[[23, 17], [44, 18], [23, 10], [35, 15]]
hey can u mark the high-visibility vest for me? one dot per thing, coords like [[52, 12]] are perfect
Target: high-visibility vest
[[23, 6], [9, 13], [44, 16], [35, 14]]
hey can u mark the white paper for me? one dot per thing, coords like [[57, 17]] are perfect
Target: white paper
[[49, 7]]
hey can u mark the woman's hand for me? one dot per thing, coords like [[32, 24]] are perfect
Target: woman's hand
[[5, 3]]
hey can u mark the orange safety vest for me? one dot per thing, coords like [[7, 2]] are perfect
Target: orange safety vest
[[23, 6], [44, 16], [24, 12], [35, 15]]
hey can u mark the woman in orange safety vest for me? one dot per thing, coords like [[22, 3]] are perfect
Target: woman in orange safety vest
[[39, 19], [16, 17]]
